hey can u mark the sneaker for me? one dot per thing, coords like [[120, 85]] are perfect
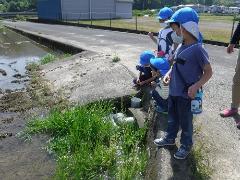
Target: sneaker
[[182, 152], [164, 142], [159, 109], [228, 112]]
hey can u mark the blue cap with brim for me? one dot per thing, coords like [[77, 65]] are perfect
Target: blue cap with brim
[[184, 15], [187, 18], [145, 57], [160, 64], [165, 13]]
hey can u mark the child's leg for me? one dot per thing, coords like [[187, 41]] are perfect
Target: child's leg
[[185, 118], [173, 121], [236, 86], [159, 100]]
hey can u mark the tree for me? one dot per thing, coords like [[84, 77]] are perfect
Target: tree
[[12, 7]]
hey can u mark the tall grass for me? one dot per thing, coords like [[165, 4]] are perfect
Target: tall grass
[[88, 145]]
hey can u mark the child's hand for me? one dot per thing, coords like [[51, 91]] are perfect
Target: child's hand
[[192, 90], [153, 84], [141, 83], [150, 34], [166, 80], [230, 48]]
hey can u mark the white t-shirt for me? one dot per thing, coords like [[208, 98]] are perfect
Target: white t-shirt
[[165, 41]]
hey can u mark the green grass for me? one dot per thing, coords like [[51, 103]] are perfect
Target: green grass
[[116, 59], [88, 146], [150, 24], [199, 163], [48, 58], [213, 18], [51, 57]]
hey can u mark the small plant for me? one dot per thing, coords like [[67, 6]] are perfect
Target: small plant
[[48, 58], [20, 18], [200, 165], [66, 55], [33, 67], [116, 59]]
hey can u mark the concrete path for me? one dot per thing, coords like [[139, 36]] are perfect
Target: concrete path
[[221, 136]]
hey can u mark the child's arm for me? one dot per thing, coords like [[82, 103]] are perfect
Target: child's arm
[[148, 80], [150, 34], [166, 78], [207, 74]]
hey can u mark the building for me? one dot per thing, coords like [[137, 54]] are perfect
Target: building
[[84, 9], [197, 7], [237, 3], [225, 10], [234, 10], [215, 9]]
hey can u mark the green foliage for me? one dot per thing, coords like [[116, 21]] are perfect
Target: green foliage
[[116, 59], [25, 5], [89, 146], [48, 58], [51, 57], [144, 12], [156, 4], [200, 163], [20, 18], [17, 5]]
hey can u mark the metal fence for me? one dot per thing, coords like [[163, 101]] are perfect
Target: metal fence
[[14, 14], [112, 19], [213, 29]]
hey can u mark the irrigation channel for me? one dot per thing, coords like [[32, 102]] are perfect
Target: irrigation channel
[[19, 160], [16, 52], [30, 160]]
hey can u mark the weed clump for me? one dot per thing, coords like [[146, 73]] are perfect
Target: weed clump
[[88, 145]]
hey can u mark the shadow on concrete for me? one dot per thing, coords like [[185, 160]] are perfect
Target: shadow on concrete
[[237, 120]]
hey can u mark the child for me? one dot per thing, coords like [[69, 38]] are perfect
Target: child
[[160, 93], [164, 40], [145, 76], [189, 73], [175, 25]]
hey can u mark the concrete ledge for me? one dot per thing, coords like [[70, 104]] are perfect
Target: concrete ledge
[[52, 44]]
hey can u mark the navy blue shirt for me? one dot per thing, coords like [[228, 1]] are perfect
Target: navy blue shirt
[[193, 59]]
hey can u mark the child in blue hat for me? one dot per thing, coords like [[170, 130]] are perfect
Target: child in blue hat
[[179, 18], [189, 73], [145, 75], [160, 66], [164, 41]]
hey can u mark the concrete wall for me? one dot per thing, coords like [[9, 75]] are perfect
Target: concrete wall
[[75, 9], [123, 10], [84, 9], [103, 9], [49, 9]]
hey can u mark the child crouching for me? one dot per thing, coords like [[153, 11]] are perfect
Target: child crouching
[[160, 66], [145, 75]]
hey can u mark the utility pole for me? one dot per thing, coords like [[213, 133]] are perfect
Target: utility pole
[[90, 9]]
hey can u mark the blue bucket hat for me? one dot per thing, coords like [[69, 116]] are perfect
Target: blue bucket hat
[[165, 13], [160, 64], [189, 19], [145, 57]]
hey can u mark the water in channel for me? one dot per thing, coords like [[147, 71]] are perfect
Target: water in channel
[[16, 51]]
